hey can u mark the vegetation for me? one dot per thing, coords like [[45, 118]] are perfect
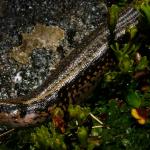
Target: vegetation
[[118, 120]]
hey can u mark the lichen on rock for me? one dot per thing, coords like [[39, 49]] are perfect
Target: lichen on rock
[[42, 36]]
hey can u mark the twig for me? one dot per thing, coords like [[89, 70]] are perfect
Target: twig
[[7, 132], [97, 127], [94, 127], [96, 118]]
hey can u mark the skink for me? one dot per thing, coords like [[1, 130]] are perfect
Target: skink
[[76, 76]]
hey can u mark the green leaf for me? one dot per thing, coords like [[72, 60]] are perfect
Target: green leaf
[[133, 48], [110, 76], [126, 63], [145, 10], [133, 31], [142, 64], [113, 16], [83, 135], [134, 99]]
